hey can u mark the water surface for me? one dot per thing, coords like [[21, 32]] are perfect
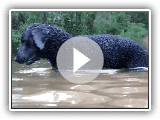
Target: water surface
[[38, 86]]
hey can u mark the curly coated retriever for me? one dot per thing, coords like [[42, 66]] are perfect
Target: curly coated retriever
[[43, 41]]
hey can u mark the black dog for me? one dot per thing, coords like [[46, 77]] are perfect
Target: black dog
[[43, 41], [40, 41]]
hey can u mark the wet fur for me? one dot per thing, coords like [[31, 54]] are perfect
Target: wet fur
[[43, 41]]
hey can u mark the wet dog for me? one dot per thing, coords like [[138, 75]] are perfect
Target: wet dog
[[40, 41], [43, 41]]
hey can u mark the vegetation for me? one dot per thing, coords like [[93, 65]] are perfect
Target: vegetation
[[132, 25]]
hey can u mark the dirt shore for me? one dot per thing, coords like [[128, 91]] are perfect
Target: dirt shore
[[145, 41]]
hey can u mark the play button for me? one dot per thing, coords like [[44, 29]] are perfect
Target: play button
[[79, 60]]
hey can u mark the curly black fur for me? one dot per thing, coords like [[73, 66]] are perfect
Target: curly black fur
[[43, 41]]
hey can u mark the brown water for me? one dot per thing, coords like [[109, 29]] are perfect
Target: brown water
[[37, 86]]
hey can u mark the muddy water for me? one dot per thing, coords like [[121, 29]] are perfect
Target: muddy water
[[37, 86]]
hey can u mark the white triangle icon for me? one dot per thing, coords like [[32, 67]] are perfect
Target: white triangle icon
[[78, 60]]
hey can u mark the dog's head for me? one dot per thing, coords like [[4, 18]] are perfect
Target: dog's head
[[40, 40], [32, 44]]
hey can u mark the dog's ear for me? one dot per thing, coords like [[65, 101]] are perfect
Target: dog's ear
[[38, 37]]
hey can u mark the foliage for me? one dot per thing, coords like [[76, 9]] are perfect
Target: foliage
[[79, 23], [138, 17], [16, 40], [128, 24], [111, 23], [135, 32]]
